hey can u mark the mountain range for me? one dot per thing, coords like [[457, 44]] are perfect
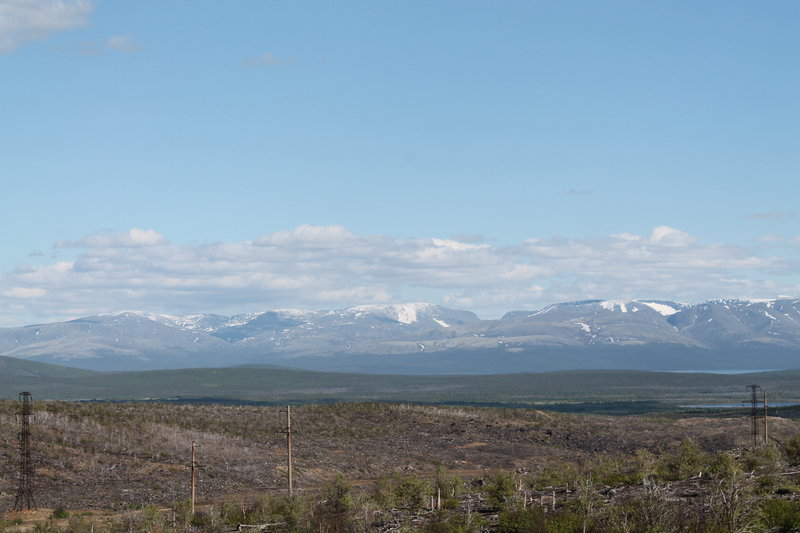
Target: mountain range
[[419, 338]]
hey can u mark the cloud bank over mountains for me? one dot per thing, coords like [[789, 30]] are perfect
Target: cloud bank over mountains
[[324, 267]]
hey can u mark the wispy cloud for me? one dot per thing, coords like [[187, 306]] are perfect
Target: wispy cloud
[[117, 43], [772, 215], [577, 192], [27, 21], [121, 43], [326, 267], [135, 237], [267, 60]]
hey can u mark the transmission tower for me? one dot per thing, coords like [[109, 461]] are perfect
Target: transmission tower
[[757, 402], [25, 490]]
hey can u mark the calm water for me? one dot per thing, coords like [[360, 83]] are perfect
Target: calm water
[[729, 372], [744, 405]]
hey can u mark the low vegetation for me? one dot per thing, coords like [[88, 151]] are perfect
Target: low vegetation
[[398, 467]]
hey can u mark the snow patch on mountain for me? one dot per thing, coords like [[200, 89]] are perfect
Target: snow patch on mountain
[[542, 311], [665, 310], [296, 313], [403, 313], [612, 305], [241, 320]]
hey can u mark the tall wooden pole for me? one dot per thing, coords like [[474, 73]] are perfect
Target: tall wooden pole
[[194, 479], [289, 447], [766, 412]]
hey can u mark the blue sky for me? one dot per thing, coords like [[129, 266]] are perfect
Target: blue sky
[[195, 156]]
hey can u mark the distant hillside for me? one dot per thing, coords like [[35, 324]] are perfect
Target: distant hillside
[[422, 338], [14, 367], [280, 385]]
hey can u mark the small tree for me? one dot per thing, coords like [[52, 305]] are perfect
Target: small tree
[[792, 450], [334, 513], [501, 489], [731, 505], [586, 501]]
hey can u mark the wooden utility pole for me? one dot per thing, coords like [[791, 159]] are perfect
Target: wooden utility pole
[[766, 420], [194, 479], [289, 447]]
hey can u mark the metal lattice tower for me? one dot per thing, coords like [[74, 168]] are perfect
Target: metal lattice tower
[[756, 404], [25, 490]]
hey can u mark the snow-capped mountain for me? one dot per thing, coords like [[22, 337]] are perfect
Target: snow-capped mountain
[[418, 337]]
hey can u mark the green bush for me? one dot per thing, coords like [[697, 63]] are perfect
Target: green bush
[[564, 522], [183, 512], [335, 511], [294, 512], [444, 522], [411, 492], [724, 466], [783, 514], [792, 450], [555, 475], [500, 489], [528, 520], [683, 464]]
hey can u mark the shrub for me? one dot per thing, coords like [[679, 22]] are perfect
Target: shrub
[[792, 450], [45, 527], [528, 520], [564, 522], [294, 512], [783, 514], [683, 464], [723, 466], [556, 475], [60, 512], [411, 492], [335, 511], [501, 489], [443, 522]]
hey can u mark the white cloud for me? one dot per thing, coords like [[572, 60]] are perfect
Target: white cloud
[[24, 292], [328, 267], [308, 235], [133, 238], [121, 43], [666, 236], [26, 21]]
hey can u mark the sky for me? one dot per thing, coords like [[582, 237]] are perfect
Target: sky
[[228, 157]]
